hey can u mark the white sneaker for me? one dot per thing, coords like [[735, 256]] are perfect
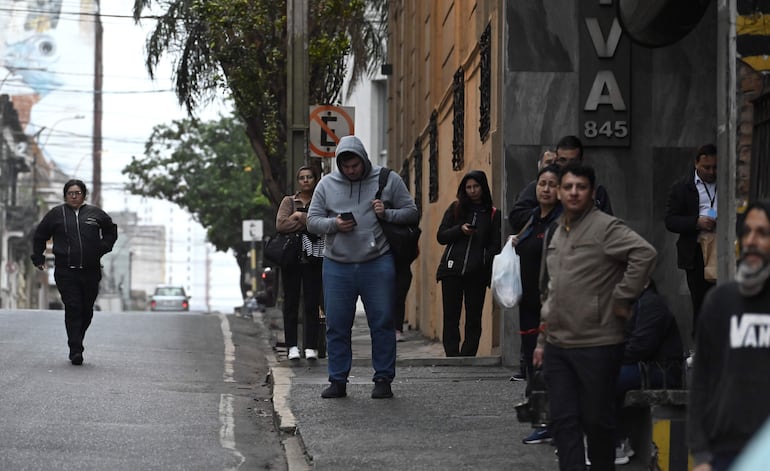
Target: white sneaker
[[311, 354], [623, 452], [690, 359], [294, 353]]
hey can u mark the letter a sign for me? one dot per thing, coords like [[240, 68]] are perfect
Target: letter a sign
[[327, 125], [605, 76]]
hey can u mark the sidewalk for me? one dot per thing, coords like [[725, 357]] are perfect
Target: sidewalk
[[447, 413]]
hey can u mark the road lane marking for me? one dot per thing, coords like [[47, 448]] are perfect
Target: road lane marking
[[229, 349], [227, 428]]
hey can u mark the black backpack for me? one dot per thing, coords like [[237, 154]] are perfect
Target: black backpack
[[403, 238]]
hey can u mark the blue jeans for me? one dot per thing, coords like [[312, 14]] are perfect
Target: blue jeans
[[374, 281]]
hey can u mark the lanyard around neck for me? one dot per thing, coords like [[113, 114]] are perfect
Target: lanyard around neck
[[708, 193]]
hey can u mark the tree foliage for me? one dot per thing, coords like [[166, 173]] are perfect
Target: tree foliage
[[241, 46], [210, 170]]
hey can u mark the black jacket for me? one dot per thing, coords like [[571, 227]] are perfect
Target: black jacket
[[78, 241], [682, 209], [468, 255], [530, 250], [652, 333]]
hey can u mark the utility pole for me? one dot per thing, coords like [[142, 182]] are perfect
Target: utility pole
[[726, 138], [96, 191], [297, 85]]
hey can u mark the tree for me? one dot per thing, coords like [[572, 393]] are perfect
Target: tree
[[240, 46], [210, 170]]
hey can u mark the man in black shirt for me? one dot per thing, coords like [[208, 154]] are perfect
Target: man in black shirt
[[731, 372]]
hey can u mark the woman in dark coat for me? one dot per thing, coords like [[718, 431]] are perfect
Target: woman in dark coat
[[470, 230]]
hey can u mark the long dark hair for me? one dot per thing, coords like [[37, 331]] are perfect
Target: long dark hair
[[463, 205]]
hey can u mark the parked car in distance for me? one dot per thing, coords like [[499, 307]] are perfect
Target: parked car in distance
[[169, 298]]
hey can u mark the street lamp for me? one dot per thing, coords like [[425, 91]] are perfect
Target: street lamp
[[83, 158], [41, 148], [53, 126]]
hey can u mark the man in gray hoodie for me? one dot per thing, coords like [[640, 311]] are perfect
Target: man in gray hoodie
[[358, 261]]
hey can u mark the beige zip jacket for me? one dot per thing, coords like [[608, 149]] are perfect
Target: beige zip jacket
[[589, 265]]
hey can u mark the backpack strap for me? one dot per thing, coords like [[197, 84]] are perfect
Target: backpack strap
[[384, 174]]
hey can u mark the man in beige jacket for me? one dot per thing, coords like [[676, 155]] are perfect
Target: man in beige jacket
[[594, 269]]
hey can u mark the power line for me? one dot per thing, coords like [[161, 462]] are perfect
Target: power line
[[80, 14]]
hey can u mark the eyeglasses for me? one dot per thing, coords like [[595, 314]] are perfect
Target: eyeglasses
[[305, 177], [74, 194]]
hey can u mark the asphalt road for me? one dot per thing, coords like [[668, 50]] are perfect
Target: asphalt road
[[157, 391]]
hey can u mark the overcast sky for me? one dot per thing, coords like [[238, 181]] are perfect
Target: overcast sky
[[132, 105]]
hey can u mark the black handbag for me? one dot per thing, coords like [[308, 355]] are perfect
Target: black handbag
[[402, 238], [283, 249]]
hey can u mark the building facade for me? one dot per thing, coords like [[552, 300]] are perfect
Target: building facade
[[487, 84], [444, 113]]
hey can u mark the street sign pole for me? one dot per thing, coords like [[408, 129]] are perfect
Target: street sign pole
[[297, 87], [252, 230], [254, 266]]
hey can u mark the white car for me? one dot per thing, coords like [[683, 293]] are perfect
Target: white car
[[169, 298]]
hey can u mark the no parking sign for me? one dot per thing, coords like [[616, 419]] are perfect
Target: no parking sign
[[327, 125]]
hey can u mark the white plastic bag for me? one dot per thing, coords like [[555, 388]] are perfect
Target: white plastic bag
[[506, 276]]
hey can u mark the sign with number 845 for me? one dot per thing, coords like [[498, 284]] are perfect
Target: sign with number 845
[[608, 129]]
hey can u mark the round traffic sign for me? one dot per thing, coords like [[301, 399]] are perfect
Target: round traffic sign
[[327, 125]]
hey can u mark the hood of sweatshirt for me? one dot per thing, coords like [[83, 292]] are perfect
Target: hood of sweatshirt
[[353, 145]]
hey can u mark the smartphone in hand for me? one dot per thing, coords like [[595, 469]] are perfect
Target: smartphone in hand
[[348, 217]]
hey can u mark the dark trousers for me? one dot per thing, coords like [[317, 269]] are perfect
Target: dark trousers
[[455, 289], [581, 388], [698, 286], [403, 282], [79, 289], [307, 279], [529, 323]]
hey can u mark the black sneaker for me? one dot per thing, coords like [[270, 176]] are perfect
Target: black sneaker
[[77, 359], [381, 389], [334, 390], [518, 377]]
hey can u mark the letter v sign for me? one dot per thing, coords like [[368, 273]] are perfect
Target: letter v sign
[[604, 48]]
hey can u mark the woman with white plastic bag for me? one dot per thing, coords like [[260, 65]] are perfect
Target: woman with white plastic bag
[[529, 246]]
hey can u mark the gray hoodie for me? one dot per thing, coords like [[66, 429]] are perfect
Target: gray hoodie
[[336, 194]]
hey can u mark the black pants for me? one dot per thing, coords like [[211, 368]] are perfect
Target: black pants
[[529, 323], [304, 277], [581, 392], [403, 282], [453, 289], [79, 289], [698, 286]]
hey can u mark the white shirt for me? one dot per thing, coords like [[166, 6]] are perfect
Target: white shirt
[[707, 197]]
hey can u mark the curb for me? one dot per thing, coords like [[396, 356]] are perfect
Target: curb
[[280, 379], [280, 388]]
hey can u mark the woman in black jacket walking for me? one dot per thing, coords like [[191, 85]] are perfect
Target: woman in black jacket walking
[[470, 230]]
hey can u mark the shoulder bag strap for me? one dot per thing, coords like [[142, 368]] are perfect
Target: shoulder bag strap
[[383, 181]]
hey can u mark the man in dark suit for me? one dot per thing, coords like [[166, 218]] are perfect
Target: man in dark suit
[[691, 212]]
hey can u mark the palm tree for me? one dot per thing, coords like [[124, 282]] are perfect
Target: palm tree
[[240, 46]]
